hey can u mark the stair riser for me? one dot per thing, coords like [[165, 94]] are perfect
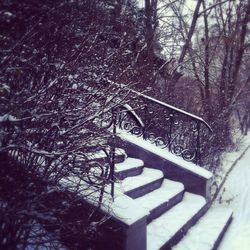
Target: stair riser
[[131, 172], [218, 241], [142, 190], [179, 235], [120, 158], [157, 212]]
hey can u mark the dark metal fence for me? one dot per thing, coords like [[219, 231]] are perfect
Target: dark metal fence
[[165, 126]]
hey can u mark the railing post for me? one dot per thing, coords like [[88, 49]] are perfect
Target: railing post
[[112, 152], [198, 153], [118, 120], [171, 118], [145, 122]]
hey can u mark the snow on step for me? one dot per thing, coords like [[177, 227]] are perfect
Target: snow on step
[[168, 190], [101, 154], [162, 229], [147, 176], [204, 234], [147, 145], [123, 208], [128, 164]]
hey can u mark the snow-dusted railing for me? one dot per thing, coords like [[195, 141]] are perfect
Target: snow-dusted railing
[[166, 126]]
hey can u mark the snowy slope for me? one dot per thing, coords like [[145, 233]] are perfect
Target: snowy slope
[[236, 194]]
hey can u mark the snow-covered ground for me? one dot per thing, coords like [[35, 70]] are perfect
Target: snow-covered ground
[[236, 195]]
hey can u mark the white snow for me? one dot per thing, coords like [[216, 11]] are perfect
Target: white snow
[[8, 117], [101, 154], [147, 176], [7, 13], [160, 230], [230, 158], [165, 154], [123, 207], [168, 190], [236, 195], [131, 110], [74, 86], [127, 210], [203, 235], [129, 163]]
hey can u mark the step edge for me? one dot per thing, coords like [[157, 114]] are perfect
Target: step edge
[[160, 177], [172, 202], [184, 229], [145, 186], [223, 232]]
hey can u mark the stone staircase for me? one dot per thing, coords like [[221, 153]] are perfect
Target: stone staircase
[[175, 219]]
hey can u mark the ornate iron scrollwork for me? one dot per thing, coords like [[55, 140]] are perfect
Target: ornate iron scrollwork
[[159, 123], [163, 125]]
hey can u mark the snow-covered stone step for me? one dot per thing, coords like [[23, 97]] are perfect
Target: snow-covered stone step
[[162, 199], [100, 155], [169, 228], [208, 231], [136, 186], [123, 208], [130, 167]]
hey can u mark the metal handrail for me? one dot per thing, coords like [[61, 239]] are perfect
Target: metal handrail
[[164, 125], [164, 104], [174, 108]]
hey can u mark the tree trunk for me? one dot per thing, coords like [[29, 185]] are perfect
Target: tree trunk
[[239, 54], [190, 32], [150, 25], [206, 66]]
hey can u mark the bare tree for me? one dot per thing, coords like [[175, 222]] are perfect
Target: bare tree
[[55, 62]]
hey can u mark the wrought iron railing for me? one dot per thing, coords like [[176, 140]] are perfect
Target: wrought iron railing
[[166, 126]]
